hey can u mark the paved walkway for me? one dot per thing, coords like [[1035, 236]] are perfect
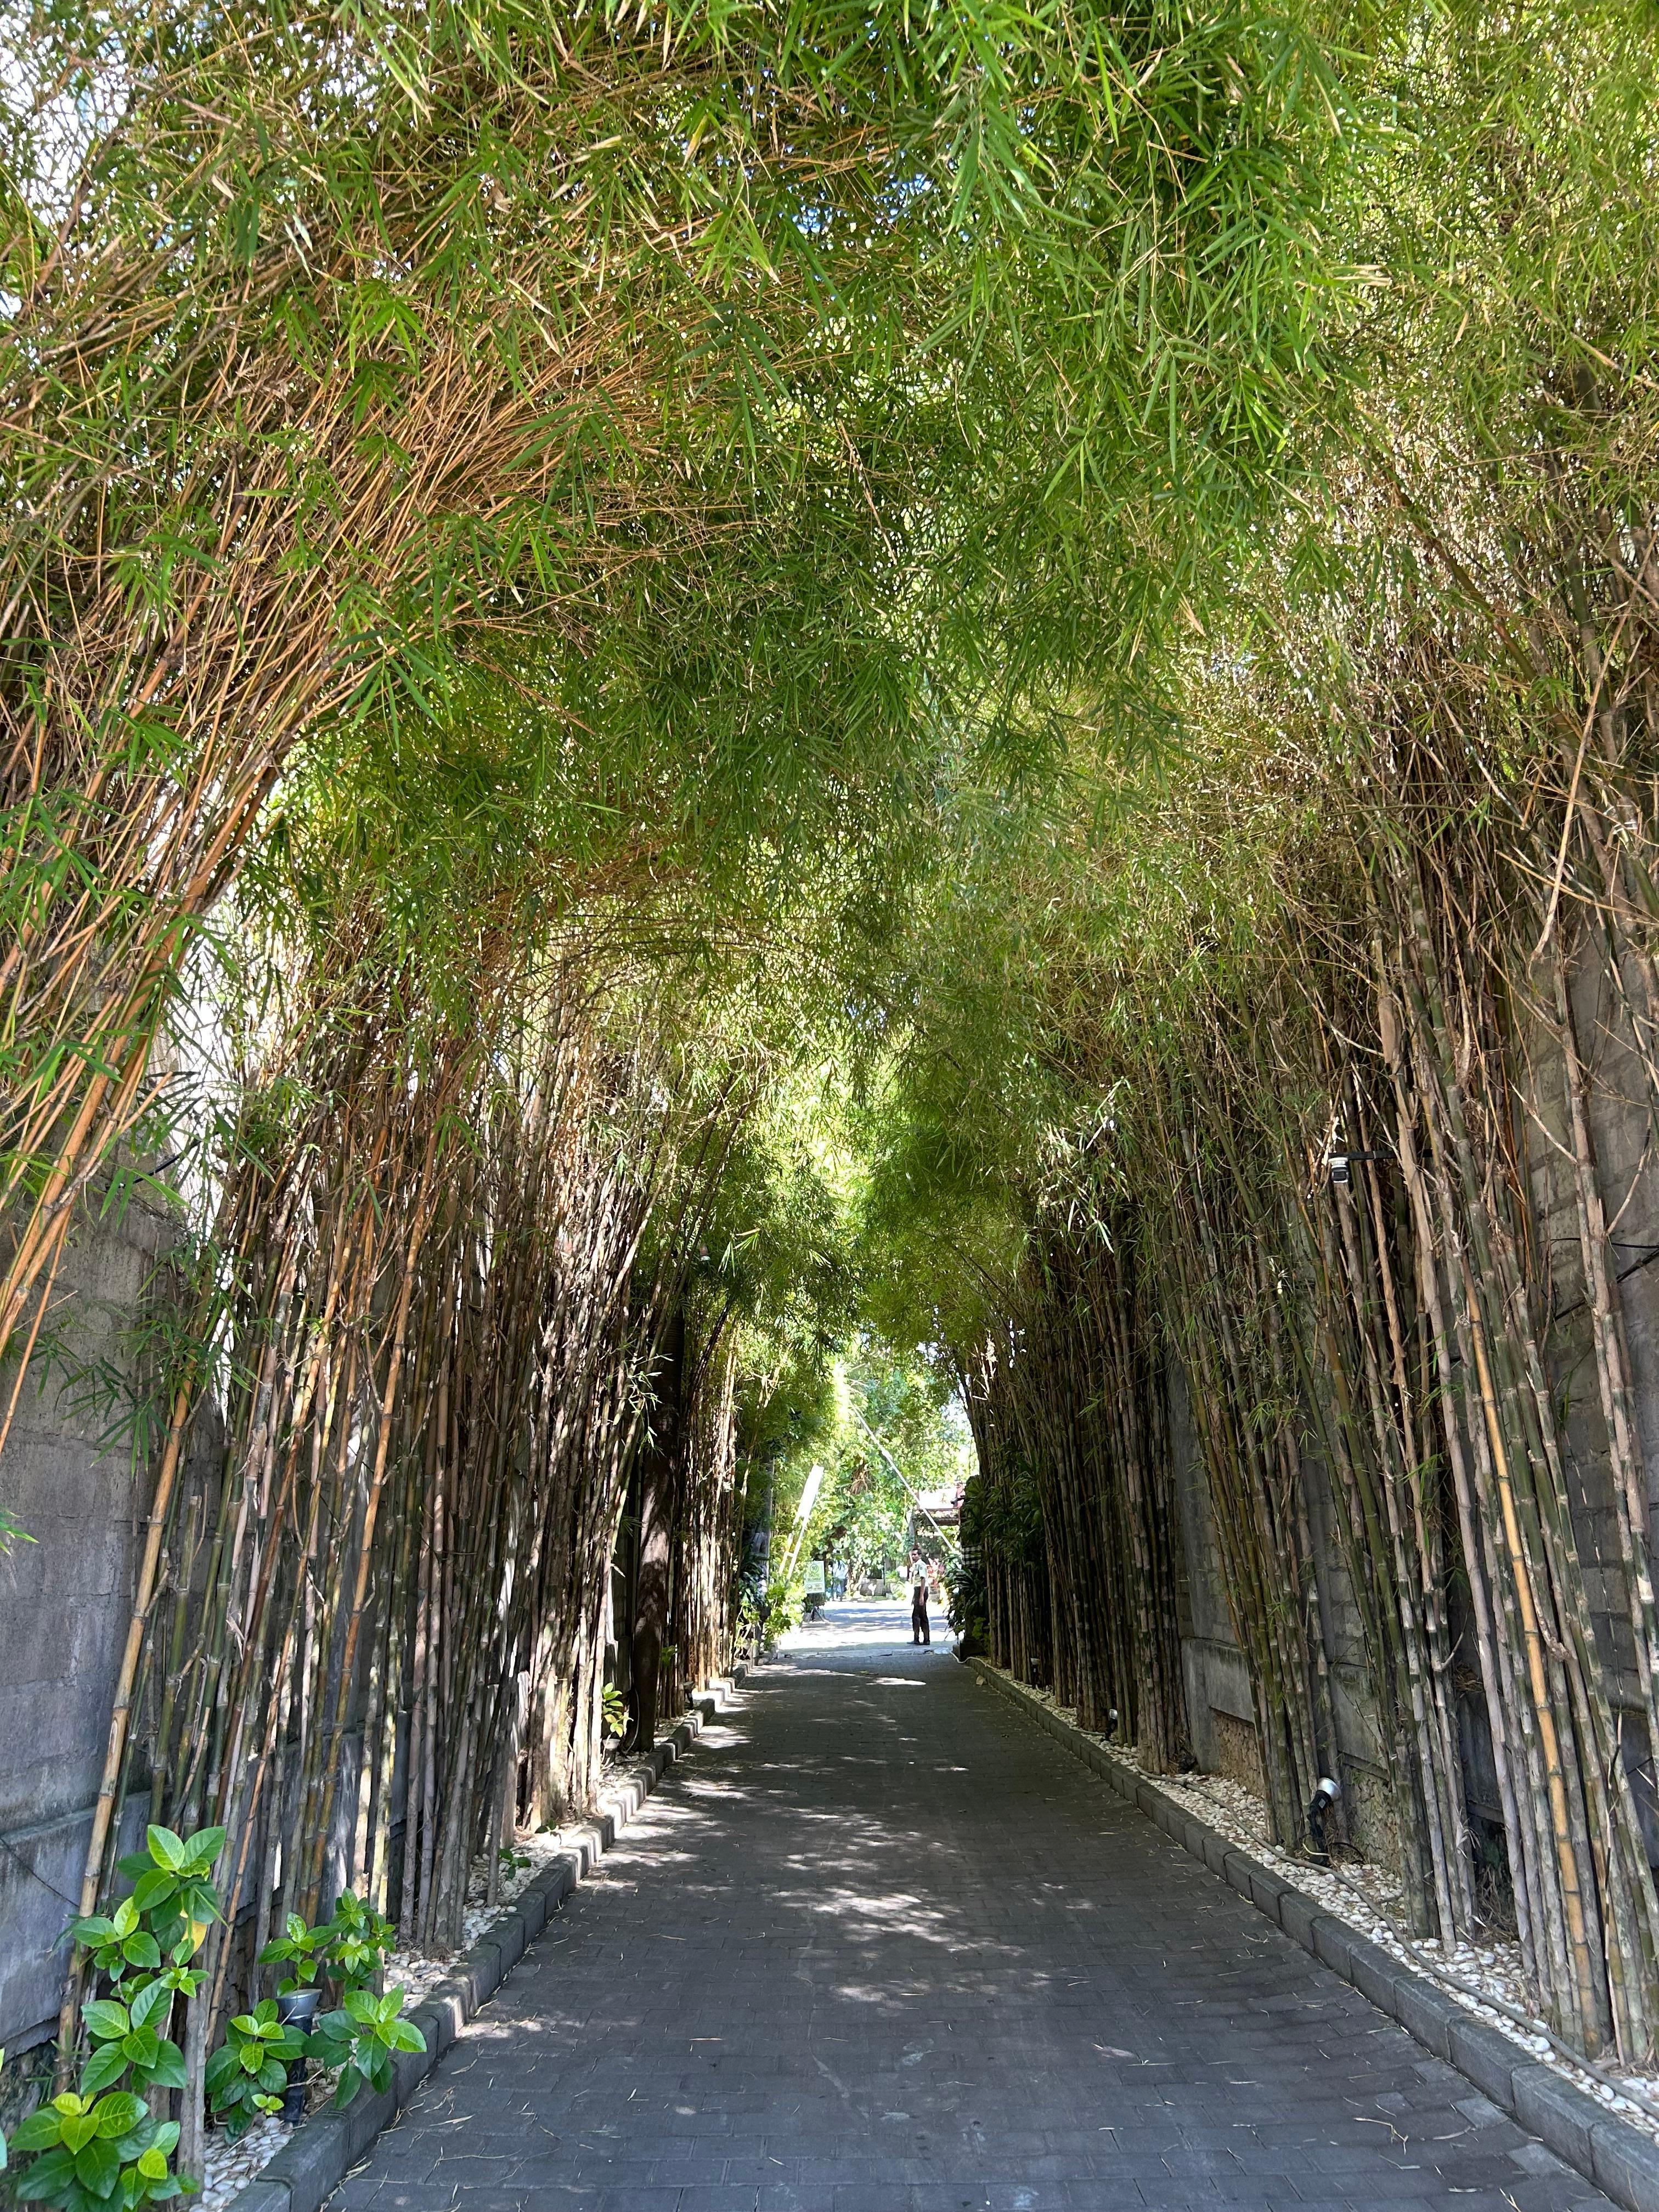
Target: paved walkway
[[881, 1946]]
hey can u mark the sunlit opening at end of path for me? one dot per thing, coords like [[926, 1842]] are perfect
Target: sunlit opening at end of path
[[866, 1626]]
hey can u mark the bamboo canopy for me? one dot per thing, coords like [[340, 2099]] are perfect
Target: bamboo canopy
[[678, 681]]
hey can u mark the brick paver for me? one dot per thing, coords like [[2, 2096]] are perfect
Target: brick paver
[[882, 1946]]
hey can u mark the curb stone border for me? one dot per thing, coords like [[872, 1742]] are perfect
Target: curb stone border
[[1619, 2159], [323, 2149]]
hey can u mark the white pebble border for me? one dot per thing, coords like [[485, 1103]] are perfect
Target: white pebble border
[[1370, 1899], [230, 2166]]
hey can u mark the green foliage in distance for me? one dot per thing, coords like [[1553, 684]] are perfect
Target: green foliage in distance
[[865, 1514]]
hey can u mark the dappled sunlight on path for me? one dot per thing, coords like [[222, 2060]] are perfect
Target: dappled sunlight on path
[[878, 1945]]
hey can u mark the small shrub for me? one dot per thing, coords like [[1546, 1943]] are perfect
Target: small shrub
[[359, 1940], [90, 2155], [99, 2150], [361, 2038], [128, 2040], [172, 1887], [301, 1949], [248, 2073]]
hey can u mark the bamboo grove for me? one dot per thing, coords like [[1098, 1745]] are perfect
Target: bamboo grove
[[1325, 1095], [495, 512], [412, 1368], [1433, 1338], [608, 612]]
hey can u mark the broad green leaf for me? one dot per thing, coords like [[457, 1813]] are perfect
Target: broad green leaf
[[97, 2167], [154, 2000], [116, 2114], [39, 2132], [200, 1851], [167, 2069], [103, 2067], [155, 1888], [48, 2175]]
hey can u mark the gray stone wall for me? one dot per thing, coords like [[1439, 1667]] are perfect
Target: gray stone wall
[[1217, 1675], [1367, 1810], [65, 1601], [1627, 1174], [1626, 1146], [1213, 1669]]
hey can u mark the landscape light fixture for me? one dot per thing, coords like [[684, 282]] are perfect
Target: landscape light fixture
[[1339, 1164], [1327, 1790], [1111, 1722]]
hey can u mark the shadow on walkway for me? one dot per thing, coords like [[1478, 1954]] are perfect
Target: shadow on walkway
[[880, 1945]]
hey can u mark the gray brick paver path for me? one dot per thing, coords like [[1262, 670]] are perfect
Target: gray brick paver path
[[882, 1946]]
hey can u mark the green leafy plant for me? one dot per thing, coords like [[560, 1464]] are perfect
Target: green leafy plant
[[248, 2073], [782, 1610], [120, 1942], [172, 1903], [99, 2146], [92, 2154], [172, 1887], [351, 1947], [512, 1862], [129, 2039], [302, 1949], [616, 1712], [359, 1938], [360, 2039]]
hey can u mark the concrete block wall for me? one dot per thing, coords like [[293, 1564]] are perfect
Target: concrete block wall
[[1627, 1170], [1213, 1669], [1626, 1146], [65, 1601], [1220, 1703]]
